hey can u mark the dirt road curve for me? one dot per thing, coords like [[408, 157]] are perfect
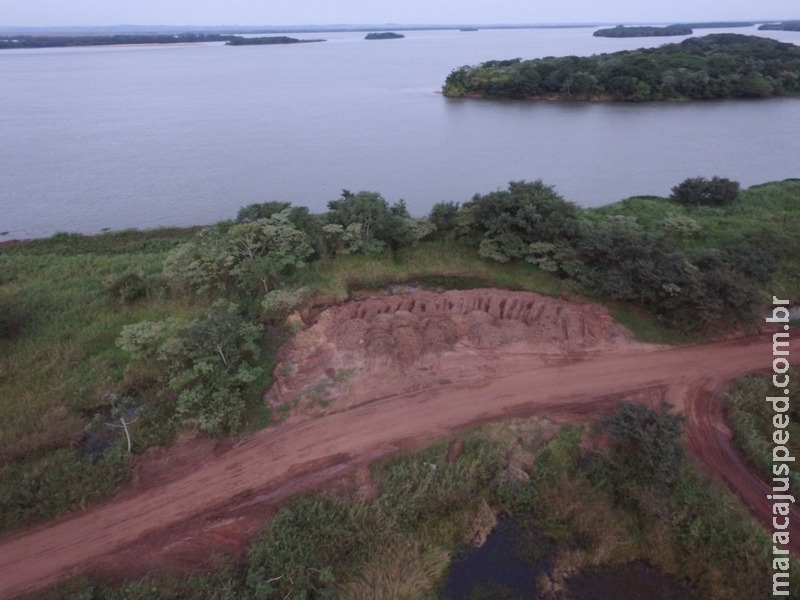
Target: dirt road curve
[[272, 458]]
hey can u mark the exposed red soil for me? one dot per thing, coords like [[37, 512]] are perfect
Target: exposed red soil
[[359, 351], [404, 370]]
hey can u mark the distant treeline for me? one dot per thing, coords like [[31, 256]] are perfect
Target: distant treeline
[[35, 41], [621, 31], [719, 24], [785, 26], [711, 67]]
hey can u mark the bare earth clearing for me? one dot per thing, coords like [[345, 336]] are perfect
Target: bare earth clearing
[[370, 378]]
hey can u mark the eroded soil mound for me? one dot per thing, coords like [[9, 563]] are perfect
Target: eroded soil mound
[[398, 343]]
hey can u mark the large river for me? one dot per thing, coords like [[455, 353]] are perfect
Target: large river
[[149, 136]]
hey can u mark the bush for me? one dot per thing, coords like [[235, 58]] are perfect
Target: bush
[[696, 191], [306, 545], [127, 287]]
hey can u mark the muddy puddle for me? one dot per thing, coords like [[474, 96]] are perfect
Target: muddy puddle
[[515, 556]]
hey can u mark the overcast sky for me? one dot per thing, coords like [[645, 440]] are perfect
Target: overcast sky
[[296, 12]]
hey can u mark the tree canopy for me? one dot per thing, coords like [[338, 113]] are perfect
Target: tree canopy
[[717, 191]]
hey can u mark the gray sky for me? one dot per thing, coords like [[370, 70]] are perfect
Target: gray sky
[[295, 12]]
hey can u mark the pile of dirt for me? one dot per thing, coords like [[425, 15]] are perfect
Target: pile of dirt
[[405, 342]]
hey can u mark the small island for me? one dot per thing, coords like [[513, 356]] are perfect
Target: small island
[[784, 26], [266, 41], [386, 35], [621, 31], [717, 66]]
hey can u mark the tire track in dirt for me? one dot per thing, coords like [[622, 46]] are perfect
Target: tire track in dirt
[[710, 441], [275, 460]]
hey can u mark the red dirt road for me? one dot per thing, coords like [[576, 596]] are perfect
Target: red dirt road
[[582, 386]]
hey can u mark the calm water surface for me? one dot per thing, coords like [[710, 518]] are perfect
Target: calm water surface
[[148, 136]]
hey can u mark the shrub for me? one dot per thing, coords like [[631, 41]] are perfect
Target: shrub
[[694, 191]]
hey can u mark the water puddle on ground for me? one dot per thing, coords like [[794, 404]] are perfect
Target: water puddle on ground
[[516, 555]]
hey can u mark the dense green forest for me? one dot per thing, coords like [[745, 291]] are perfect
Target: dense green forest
[[710, 67], [622, 31]]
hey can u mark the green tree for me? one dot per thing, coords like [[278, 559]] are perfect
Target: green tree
[[367, 209], [210, 365], [443, 216], [209, 362], [251, 255], [694, 191], [263, 210], [504, 223], [380, 225], [267, 251]]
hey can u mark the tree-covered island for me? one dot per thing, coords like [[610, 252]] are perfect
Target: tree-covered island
[[784, 26], [621, 31], [266, 41], [715, 66], [386, 35]]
